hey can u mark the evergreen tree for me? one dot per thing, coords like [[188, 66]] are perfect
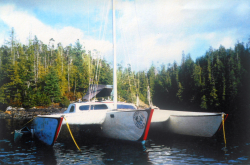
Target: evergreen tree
[[81, 75], [52, 88], [38, 74]]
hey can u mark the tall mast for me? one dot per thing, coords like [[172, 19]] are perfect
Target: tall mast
[[114, 67]]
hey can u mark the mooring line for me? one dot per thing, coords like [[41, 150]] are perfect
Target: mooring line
[[71, 133], [224, 130], [25, 124]]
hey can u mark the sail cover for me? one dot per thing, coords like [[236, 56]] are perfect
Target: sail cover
[[98, 91]]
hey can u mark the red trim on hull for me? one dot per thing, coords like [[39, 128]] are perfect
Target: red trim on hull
[[58, 129], [148, 124], [224, 121]]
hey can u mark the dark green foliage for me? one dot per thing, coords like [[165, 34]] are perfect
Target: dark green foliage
[[106, 76], [29, 101], [64, 102], [143, 83], [81, 74], [38, 74], [42, 99], [51, 88], [217, 81]]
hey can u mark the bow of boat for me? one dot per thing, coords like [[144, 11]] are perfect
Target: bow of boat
[[130, 125], [47, 128]]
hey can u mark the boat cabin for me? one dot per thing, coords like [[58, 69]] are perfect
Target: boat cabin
[[84, 106]]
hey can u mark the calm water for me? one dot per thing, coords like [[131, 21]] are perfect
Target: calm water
[[159, 149]]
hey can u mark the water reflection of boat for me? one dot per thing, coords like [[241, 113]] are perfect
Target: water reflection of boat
[[99, 150], [22, 134], [204, 124], [179, 149]]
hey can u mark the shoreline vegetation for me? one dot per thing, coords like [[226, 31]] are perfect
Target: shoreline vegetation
[[37, 74], [21, 113]]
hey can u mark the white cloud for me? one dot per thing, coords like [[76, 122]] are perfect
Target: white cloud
[[161, 30], [67, 35], [227, 42], [24, 24], [243, 9], [150, 31], [105, 47]]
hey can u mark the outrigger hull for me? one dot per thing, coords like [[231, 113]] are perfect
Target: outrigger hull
[[202, 124], [47, 128]]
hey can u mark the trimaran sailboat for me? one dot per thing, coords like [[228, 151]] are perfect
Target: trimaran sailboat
[[110, 119], [122, 120]]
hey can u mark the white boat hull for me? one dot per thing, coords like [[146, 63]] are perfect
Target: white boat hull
[[130, 125], [201, 124], [126, 125], [89, 117]]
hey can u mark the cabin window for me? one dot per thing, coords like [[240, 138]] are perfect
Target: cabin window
[[84, 107], [72, 109], [99, 107], [93, 107], [122, 106]]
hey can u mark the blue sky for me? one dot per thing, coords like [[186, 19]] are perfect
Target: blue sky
[[148, 31]]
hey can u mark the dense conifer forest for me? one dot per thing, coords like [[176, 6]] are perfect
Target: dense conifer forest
[[38, 75], [217, 81]]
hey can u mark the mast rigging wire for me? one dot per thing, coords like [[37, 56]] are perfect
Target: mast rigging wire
[[95, 77]]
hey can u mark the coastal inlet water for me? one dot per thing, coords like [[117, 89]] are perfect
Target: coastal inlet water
[[159, 149]]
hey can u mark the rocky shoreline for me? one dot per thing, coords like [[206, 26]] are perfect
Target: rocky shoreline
[[30, 113]]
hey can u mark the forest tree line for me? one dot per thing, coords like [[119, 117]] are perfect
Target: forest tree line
[[218, 81], [38, 75]]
